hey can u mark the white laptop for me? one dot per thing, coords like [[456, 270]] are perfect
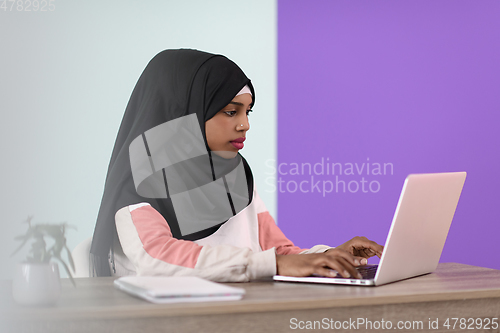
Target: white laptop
[[418, 232]]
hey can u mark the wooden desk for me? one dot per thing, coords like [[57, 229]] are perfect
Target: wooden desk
[[453, 291]]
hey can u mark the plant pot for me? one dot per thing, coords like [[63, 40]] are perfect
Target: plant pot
[[36, 284]]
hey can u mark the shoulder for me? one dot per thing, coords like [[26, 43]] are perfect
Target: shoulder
[[260, 207], [141, 217], [137, 210]]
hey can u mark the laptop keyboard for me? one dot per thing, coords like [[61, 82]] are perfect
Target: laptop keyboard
[[368, 272]]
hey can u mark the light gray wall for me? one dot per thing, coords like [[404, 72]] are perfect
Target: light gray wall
[[65, 79]]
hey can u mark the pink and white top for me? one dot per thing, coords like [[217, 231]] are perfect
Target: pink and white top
[[244, 248]]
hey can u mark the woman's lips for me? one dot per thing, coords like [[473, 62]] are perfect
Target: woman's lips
[[238, 143]]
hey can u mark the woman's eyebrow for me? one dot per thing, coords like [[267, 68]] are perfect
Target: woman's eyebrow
[[236, 103]]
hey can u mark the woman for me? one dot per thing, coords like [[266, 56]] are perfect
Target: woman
[[180, 200]]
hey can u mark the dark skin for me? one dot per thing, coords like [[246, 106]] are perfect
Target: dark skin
[[343, 259], [232, 123]]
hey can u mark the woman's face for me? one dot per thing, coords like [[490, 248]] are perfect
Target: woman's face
[[227, 130]]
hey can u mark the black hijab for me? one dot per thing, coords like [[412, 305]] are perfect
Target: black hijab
[[161, 155]]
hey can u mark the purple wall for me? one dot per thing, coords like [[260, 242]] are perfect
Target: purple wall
[[412, 83]]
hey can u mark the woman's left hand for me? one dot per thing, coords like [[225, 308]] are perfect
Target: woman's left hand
[[362, 247]]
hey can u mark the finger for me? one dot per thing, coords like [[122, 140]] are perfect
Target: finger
[[365, 242], [353, 260], [377, 248], [333, 253], [377, 253], [344, 267], [351, 269], [323, 271], [359, 261], [368, 253], [334, 264], [369, 248], [357, 246], [362, 252]]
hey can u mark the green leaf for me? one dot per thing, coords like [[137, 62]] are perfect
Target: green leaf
[[38, 250], [67, 271], [70, 257], [51, 230], [19, 247], [28, 220]]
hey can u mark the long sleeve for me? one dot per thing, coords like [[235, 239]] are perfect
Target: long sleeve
[[147, 242], [270, 235]]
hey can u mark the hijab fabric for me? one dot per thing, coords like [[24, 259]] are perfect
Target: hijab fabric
[[161, 155]]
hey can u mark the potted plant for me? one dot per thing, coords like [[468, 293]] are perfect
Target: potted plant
[[36, 281]]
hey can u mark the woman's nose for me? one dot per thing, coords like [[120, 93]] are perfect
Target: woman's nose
[[243, 125]]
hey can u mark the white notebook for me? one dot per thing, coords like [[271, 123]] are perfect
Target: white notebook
[[176, 289]]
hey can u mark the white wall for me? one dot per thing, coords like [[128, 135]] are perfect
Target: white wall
[[66, 77]]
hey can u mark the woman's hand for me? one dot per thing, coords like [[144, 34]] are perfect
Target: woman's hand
[[362, 247], [325, 264]]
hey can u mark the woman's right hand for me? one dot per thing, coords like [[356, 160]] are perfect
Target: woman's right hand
[[324, 264]]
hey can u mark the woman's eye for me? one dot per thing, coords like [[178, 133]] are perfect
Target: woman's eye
[[248, 112], [230, 113]]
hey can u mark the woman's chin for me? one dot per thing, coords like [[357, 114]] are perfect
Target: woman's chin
[[226, 154]]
